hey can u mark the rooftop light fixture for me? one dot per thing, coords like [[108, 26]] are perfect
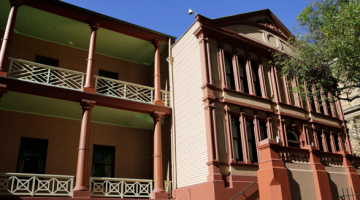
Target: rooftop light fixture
[[191, 12]]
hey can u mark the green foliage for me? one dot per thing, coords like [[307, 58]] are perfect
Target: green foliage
[[326, 51]]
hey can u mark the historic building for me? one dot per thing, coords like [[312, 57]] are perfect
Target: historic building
[[95, 107], [85, 104], [240, 130]]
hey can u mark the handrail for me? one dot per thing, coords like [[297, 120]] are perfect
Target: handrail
[[37, 175], [242, 192], [121, 179], [47, 66]]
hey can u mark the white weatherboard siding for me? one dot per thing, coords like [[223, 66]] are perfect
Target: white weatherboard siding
[[191, 146]]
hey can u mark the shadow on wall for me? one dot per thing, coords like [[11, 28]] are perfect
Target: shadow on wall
[[294, 187], [334, 189]]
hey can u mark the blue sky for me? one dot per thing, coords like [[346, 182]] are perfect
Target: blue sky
[[170, 16]]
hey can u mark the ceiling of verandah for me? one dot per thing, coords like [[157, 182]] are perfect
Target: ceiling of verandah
[[50, 27]]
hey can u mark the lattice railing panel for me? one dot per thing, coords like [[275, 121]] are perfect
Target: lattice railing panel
[[39, 73], [35, 184], [122, 89], [119, 187], [165, 96]]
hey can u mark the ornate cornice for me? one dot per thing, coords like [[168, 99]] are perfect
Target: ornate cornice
[[156, 42], [157, 116], [87, 105]]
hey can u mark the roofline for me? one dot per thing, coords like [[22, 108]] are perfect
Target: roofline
[[86, 11], [251, 12]]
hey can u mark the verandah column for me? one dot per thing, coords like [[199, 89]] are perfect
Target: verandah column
[[6, 40], [158, 191], [89, 82], [80, 189], [157, 87]]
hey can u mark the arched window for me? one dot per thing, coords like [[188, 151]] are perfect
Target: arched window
[[293, 139], [229, 71], [243, 78], [256, 79]]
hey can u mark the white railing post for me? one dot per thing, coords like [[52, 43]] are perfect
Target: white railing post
[[11, 63], [124, 90], [82, 82], [48, 76], [33, 186], [122, 189], [152, 95]]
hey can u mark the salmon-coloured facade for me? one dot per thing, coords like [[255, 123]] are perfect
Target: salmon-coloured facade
[[93, 107], [240, 130]]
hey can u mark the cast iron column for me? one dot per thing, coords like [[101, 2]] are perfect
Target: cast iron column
[[157, 87], [89, 82], [80, 189], [158, 191], [6, 40]]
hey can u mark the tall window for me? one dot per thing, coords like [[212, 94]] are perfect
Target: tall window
[[263, 130], [256, 79], [328, 142], [328, 107], [319, 136], [229, 71], [311, 98], [336, 141], [235, 126], [243, 77], [251, 140], [32, 156], [103, 161]]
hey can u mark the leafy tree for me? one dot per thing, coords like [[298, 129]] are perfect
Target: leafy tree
[[326, 50]]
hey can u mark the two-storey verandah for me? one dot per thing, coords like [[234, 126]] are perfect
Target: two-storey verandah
[[106, 67]]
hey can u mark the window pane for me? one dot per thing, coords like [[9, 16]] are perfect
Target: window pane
[[251, 140], [256, 79], [32, 156], [243, 77], [336, 140], [229, 71], [320, 141], [103, 161], [237, 138], [328, 142], [263, 130]]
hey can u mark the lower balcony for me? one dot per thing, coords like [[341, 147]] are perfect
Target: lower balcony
[[21, 184], [74, 80]]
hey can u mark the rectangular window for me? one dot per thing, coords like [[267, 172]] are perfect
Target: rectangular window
[[251, 140], [235, 126], [263, 130], [320, 141], [32, 156], [336, 142], [243, 77], [256, 79], [103, 161], [311, 98], [47, 61], [328, 142], [229, 71]]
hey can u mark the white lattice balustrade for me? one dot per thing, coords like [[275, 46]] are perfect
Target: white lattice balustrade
[[126, 90], [35, 184], [44, 74], [120, 187]]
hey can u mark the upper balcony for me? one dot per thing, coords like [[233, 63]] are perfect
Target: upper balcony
[[74, 80], [111, 57]]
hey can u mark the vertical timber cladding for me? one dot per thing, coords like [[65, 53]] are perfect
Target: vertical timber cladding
[[191, 146]]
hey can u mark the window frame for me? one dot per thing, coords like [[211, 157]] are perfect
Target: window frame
[[113, 161], [255, 74], [244, 86], [229, 74]]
